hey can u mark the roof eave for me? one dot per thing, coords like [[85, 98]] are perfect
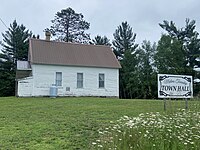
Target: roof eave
[[71, 65]]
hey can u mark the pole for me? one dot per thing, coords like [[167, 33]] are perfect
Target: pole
[[186, 103], [164, 104]]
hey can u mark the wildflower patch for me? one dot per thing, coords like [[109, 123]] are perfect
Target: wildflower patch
[[180, 130]]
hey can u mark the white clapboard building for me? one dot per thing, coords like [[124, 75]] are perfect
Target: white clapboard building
[[75, 69]]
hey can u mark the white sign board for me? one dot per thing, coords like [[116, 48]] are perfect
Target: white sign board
[[175, 86]]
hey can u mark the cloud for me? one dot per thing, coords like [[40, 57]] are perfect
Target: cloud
[[104, 15]]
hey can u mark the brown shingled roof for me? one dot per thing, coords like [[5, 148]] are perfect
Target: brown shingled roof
[[71, 54]]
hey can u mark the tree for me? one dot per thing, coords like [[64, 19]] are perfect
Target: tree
[[36, 37], [15, 47], [170, 56], [128, 75], [124, 49], [146, 69], [188, 38], [124, 39], [15, 42], [99, 40], [70, 26], [138, 72], [7, 76]]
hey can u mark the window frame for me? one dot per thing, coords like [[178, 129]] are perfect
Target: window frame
[[58, 82], [101, 81], [79, 81]]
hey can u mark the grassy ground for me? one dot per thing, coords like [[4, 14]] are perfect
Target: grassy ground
[[64, 123]]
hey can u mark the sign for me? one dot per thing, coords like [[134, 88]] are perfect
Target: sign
[[175, 86]]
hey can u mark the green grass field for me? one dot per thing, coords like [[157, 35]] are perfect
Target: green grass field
[[65, 123]]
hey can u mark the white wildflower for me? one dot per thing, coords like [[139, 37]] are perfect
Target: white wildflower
[[100, 145]]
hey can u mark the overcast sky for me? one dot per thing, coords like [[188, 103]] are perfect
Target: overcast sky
[[103, 15]]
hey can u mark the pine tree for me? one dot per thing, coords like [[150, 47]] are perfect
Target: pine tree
[[188, 38], [15, 47], [128, 75], [170, 56], [70, 26], [99, 40], [124, 39], [124, 48], [146, 69]]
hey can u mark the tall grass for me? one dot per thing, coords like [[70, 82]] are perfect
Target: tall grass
[[152, 131]]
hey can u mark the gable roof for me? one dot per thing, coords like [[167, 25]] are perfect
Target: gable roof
[[71, 54]]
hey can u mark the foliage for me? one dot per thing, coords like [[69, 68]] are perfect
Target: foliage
[[188, 38], [124, 39], [15, 42], [178, 130], [99, 40], [138, 78], [15, 47], [170, 56], [124, 48], [147, 70], [70, 26], [7, 79], [128, 75]]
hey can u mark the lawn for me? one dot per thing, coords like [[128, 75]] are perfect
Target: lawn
[[66, 123]]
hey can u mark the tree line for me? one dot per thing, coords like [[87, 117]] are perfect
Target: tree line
[[176, 52]]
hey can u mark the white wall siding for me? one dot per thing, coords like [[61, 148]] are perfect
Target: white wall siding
[[44, 77], [25, 87]]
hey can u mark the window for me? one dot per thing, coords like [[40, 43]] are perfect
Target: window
[[79, 80], [101, 80], [58, 78]]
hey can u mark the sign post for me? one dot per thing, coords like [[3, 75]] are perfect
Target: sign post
[[165, 104], [186, 103], [175, 86]]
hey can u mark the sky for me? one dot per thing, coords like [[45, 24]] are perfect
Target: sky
[[104, 16]]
